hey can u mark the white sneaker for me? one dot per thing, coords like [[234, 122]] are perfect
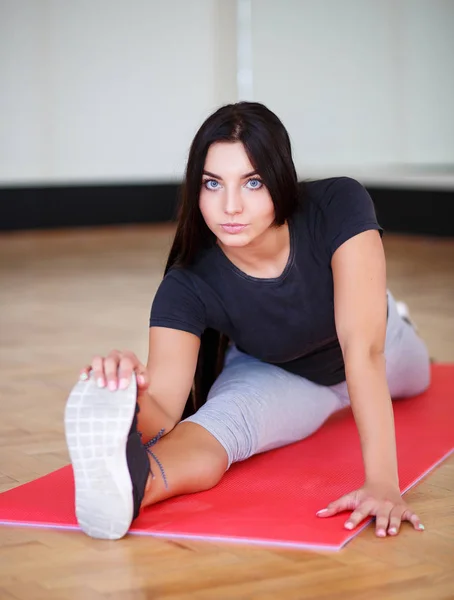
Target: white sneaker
[[110, 463]]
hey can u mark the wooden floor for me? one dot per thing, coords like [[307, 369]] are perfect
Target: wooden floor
[[67, 295]]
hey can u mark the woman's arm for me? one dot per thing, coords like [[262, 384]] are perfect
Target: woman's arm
[[360, 304], [172, 360], [360, 307]]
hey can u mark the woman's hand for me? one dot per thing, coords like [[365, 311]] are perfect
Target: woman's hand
[[382, 501], [116, 369]]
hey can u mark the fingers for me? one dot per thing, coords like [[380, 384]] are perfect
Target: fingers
[[126, 368], [391, 524], [116, 370], [410, 516], [388, 518], [97, 365], [111, 368], [395, 520], [363, 511], [345, 503], [384, 521], [129, 364], [85, 373], [389, 514], [142, 377]]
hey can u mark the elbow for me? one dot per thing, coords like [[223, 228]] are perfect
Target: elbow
[[364, 354]]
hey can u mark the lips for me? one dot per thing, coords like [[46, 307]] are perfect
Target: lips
[[233, 227]]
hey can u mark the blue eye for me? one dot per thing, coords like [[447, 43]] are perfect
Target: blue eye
[[207, 183], [256, 184]]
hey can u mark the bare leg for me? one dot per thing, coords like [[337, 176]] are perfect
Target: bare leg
[[193, 461]]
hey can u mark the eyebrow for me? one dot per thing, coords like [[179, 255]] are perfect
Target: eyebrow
[[218, 177]]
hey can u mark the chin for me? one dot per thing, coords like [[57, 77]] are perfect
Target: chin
[[237, 240]]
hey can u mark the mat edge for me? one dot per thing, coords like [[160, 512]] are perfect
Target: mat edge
[[234, 540]]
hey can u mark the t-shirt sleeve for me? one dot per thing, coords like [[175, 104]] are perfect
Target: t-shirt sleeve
[[347, 211], [177, 305]]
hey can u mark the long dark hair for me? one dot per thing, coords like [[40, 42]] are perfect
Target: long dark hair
[[268, 147]]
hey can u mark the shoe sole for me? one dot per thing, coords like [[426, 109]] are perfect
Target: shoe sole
[[97, 424]]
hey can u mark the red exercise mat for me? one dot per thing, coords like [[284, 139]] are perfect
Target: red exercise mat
[[271, 498]]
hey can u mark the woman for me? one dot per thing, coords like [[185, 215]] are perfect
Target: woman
[[272, 315]]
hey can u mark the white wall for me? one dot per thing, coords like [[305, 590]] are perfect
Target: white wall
[[360, 84], [109, 90], [114, 90], [427, 83]]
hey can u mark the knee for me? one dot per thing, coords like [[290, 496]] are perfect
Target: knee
[[207, 459], [423, 375], [420, 381], [207, 469], [424, 378]]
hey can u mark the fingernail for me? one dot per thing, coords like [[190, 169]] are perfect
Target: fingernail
[[112, 386], [123, 383], [322, 511], [100, 382], [140, 379], [381, 533], [83, 377], [349, 525], [421, 527], [392, 530]]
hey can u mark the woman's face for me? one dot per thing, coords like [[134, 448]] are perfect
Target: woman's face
[[234, 202]]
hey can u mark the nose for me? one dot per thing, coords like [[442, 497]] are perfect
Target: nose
[[233, 203]]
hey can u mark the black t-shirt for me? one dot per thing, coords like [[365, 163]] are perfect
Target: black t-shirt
[[287, 320]]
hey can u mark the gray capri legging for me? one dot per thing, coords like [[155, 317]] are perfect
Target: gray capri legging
[[254, 406]]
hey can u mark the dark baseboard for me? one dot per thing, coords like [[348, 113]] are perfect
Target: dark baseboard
[[414, 211], [400, 210], [53, 207]]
